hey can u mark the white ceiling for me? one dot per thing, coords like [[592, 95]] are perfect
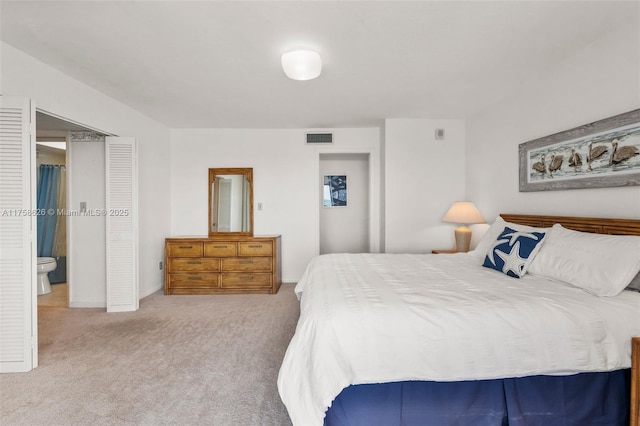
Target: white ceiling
[[208, 64]]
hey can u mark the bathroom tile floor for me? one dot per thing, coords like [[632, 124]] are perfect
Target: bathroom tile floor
[[57, 297]]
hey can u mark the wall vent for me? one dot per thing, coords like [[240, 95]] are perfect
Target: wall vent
[[319, 138]]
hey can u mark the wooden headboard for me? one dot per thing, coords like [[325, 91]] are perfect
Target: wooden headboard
[[586, 224]]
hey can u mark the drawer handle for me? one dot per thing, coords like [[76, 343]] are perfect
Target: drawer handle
[[225, 246], [255, 245], [194, 262], [246, 262], [194, 278], [246, 277], [185, 247]]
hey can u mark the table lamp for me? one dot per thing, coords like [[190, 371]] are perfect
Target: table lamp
[[463, 213]]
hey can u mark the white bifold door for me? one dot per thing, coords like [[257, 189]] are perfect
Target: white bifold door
[[18, 293], [18, 304], [122, 224]]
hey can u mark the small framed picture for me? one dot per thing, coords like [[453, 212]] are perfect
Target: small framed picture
[[334, 191]]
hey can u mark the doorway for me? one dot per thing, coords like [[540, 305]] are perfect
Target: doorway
[[52, 165], [344, 224], [83, 167], [51, 242]]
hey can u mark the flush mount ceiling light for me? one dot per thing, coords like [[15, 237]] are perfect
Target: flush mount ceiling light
[[302, 64]]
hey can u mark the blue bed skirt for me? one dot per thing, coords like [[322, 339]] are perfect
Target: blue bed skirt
[[587, 399]]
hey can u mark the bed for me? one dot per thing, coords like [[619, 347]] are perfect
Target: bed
[[439, 339]]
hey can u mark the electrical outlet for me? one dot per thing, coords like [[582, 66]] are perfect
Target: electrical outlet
[[259, 206], [160, 265]]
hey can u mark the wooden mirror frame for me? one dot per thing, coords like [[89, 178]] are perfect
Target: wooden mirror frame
[[248, 174]]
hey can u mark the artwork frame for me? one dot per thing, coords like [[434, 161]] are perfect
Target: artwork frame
[[581, 164], [334, 190]]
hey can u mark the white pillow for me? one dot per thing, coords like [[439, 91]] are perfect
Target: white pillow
[[487, 240], [599, 264]]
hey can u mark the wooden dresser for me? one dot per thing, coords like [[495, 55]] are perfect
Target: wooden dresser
[[226, 264]]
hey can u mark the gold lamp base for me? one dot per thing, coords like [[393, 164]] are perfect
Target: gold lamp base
[[463, 239]]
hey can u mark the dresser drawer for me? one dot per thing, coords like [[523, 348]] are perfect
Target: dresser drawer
[[220, 249], [202, 264], [194, 280], [239, 280], [185, 249], [242, 264], [254, 248]]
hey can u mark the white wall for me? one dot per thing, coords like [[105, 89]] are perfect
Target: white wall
[[285, 175], [61, 95], [423, 177], [87, 183], [596, 82]]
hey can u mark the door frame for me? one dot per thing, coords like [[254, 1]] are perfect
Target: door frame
[[69, 195], [69, 202], [374, 193]]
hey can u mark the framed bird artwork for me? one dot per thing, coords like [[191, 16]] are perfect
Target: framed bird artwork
[[604, 153]]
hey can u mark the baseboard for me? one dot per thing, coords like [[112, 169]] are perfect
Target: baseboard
[[87, 305]]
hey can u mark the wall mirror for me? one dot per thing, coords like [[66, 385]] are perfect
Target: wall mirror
[[231, 201]]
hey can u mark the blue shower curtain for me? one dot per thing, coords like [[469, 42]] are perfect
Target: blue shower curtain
[[48, 185]]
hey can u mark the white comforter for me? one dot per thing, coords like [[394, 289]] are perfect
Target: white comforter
[[372, 318]]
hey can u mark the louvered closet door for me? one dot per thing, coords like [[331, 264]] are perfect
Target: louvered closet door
[[122, 224], [18, 309]]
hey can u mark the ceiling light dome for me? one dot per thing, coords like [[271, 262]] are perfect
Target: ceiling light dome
[[302, 64]]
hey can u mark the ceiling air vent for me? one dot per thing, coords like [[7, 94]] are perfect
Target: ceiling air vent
[[319, 137]]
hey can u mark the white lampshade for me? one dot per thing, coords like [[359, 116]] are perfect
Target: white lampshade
[[463, 212], [302, 64]]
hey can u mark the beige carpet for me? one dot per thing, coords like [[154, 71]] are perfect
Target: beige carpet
[[179, 360]]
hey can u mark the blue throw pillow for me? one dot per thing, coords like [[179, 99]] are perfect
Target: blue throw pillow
[[513, 251]]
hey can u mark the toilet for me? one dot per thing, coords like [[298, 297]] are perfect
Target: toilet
[[45, 265]]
